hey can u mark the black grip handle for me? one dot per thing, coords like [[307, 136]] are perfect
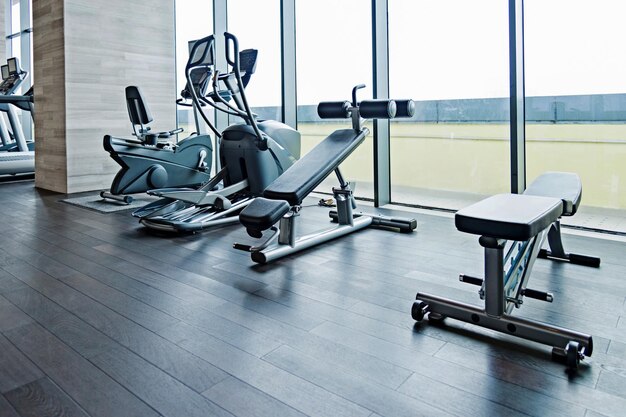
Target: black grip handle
[[231, 39], [405, 108], [333, 109], [377, 109]]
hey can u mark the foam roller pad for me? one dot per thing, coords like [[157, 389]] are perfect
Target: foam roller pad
[[377, 109], [405, 108], [333, 109]]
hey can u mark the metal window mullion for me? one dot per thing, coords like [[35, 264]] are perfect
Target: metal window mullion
[[289, 110], [220, 25], [380, 72], [517, 96]]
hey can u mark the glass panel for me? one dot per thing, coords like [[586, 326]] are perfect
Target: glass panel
[[576, 102], [15, 16], [264, 90], [455, 65], [332, 57], [194, 20], [16, 47]]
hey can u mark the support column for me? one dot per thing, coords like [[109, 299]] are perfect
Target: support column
[[85, 53], [380, 56], [517, 95], [288, 62]]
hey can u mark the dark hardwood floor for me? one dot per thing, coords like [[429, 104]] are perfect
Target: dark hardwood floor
[[100, 318]]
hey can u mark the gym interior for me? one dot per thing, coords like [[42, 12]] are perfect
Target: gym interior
[[312, 208]]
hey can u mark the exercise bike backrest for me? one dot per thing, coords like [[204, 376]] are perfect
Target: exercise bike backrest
[[140, 115]]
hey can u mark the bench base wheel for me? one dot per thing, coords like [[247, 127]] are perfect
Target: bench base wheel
[[418, 310], [573, 355], [435, 318]]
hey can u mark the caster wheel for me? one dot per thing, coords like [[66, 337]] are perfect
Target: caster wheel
[[435, 318], [572, 355], [418, 310], [128, 199]]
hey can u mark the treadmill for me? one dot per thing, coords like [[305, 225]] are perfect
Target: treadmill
[[16, 156]]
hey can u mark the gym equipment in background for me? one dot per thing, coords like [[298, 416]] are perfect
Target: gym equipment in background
[[156, 159], [16, 152], [512, 229], [282, 199], [252, 154]]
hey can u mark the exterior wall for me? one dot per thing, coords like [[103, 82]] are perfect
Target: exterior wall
[[101, 47]]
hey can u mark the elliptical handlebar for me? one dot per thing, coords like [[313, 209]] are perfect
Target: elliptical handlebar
[[229, 40]]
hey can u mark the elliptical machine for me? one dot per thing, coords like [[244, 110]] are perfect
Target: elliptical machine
[[252, 154]]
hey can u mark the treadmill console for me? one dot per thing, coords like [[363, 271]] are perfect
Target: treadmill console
[[5, 72]]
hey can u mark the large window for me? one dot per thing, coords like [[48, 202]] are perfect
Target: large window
[[334, 53], [194, 20], [451, 57], [257, 25], [576, 101]]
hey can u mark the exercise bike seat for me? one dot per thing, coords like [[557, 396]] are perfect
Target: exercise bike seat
[[517, 217], [564, 185]]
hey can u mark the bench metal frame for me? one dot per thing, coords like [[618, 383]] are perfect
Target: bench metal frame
[[504, 287], [285, 241]]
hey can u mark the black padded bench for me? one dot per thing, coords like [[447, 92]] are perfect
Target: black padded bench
[[299, 180], [509, 216], [282, 199], [568, 187], [512, 228]]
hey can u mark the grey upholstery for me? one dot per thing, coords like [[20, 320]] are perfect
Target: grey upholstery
[[509, 216], [564, 185]]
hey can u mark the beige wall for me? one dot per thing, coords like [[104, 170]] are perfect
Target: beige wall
[[86, 53]]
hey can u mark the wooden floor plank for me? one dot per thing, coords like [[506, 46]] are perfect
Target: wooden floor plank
[[6, 409], [43, 398], [244, 400], [15, 368], [322, 332], [167, 395], [93, 390]]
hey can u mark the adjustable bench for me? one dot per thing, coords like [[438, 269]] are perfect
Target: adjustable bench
[[568, 187], [282, 200], [512, 229]]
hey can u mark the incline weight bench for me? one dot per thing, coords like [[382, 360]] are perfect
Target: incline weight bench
[[512, 229], [282, 200]]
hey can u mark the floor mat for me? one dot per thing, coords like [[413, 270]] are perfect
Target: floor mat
[[97, 203]]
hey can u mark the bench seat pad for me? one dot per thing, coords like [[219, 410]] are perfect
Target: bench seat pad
[[262, 213], [509, 216], [307, 173], [564, 185]]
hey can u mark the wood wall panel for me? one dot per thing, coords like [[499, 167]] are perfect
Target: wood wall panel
[[108, 45], [49, 92]]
